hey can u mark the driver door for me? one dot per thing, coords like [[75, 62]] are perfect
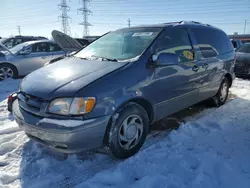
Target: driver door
[[37, 55], [177, 85]]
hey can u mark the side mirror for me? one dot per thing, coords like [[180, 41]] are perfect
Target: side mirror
[[165, 59]]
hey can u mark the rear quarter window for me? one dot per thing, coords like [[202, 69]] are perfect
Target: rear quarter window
[[212, 42]]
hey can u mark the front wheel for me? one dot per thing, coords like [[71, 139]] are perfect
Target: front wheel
[[221, 97], [128, 130], [7, 71]]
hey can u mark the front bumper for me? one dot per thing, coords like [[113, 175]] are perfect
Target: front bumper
[[81, 135]]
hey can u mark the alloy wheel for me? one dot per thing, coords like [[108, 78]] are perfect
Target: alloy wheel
[[6, 72], [223, 92], [130, 132]]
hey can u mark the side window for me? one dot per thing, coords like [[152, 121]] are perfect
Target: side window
[[54, 47], [26, 39], [18, 41], [175, 41], [212, 42], [40, 47], [9, 43]]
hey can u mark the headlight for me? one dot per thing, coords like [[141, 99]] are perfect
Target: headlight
[[72, 106]]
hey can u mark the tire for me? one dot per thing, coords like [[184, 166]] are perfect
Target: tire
[[7, 71], [221, 97], [129, 127]]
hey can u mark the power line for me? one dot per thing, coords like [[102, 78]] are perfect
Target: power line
[[85, 12], [19, 29], [64, 17], [173, 13]]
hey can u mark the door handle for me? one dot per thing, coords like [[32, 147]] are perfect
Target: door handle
[[195, 68], [205, 66]]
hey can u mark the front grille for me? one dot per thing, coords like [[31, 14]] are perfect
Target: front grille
[[242, 67], [31, 103]]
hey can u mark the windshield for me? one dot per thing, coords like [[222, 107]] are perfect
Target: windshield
[[245, 48], [121, 44], [18, 47]]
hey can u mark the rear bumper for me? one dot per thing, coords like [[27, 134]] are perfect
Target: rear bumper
[[242, 69], [82, 135]]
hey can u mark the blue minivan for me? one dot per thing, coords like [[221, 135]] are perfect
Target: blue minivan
[[110, 92]]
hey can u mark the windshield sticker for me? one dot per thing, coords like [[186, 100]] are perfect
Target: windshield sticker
[[143, 34]]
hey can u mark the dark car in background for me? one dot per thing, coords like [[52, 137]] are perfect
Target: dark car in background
[[111, 91], [69, 45], [13, 41], [87, 40], [242, 65]]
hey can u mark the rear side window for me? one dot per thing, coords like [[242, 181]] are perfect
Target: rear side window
[[40, 47], [54, 48], [27, 39], [18, 41], [175, 41], [212, 42]]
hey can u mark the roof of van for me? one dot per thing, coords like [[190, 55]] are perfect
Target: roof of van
[[180, 23]]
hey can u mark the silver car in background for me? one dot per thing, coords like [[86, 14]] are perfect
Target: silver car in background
[[27, 57]]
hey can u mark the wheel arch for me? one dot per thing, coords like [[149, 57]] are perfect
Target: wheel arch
[[148, 107], [229, 78]]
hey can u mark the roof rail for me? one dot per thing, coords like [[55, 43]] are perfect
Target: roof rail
[[193, 22], [29, 36], [174, 22]]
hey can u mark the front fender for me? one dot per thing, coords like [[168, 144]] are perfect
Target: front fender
[[112, 102]]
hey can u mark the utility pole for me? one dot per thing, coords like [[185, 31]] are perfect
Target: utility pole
[[85, 12], [129, 22], [19, 29], [64, 18], [245, 26]]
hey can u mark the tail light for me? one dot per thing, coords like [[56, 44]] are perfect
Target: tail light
[[10, 98]]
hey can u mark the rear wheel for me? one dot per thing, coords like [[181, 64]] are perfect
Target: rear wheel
[[7, 71], [221, 97], [128, 130]]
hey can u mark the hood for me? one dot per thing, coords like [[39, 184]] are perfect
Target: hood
[[65, 77], [242, 57], [67, 43]]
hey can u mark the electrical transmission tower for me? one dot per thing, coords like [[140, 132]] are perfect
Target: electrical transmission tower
[[129, 22], [64, 18], [19, 29], [85, 12], [245, 26]]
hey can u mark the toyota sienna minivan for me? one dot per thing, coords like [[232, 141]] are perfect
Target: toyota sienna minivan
[[110, 92]]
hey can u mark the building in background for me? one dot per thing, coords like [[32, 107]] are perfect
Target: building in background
[[243, 37]]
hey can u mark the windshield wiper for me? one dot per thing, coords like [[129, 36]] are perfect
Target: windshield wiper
[[104, 58], [84, 58]]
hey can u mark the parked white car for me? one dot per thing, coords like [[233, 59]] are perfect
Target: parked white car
[[27, 57]]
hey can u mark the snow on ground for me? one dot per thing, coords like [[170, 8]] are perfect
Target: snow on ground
[[211, 150]]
